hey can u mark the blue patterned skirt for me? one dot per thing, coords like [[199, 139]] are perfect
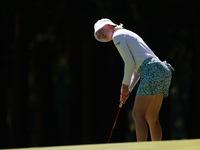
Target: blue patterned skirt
[[155, 77]]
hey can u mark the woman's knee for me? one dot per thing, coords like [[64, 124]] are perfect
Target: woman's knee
[[137, 114], [152, 119]]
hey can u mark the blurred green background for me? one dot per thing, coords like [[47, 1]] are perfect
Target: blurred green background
[[59, 86]]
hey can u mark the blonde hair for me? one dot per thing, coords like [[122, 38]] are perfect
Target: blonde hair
[[119, 27]]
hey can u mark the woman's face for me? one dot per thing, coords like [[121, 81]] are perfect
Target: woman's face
[[106, 32]]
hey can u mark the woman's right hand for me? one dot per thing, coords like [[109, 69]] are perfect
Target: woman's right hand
[[124, 93]]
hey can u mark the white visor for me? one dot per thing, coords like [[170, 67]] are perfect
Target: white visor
[[100, 24]]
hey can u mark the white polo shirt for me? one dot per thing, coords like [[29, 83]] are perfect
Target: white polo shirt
[[133, 51]]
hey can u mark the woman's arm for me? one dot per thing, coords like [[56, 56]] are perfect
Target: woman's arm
[[134, 79], [129, 64], [126, 89]]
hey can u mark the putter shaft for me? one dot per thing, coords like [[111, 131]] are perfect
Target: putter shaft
[[120, 106]]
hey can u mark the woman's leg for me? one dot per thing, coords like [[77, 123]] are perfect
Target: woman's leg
[[141, 105], [152, 117]]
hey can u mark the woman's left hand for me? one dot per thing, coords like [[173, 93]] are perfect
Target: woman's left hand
[[124, 93]]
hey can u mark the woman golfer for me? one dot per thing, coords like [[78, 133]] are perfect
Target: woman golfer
[[139, 60]]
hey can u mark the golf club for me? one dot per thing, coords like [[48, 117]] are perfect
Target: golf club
[[120, 106]]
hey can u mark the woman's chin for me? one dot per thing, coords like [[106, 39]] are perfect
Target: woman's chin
[[108, 40]]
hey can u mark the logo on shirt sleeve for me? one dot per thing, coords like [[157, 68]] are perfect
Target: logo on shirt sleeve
[[118, 43]]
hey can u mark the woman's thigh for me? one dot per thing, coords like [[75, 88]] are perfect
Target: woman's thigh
[[142, 104], [152, 113]]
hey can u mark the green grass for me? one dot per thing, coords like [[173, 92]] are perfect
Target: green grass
[[161, 145]]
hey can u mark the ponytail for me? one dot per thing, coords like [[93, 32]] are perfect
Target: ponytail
[[119, 27]]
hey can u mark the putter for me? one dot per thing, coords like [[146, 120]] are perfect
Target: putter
[[120, 106]]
